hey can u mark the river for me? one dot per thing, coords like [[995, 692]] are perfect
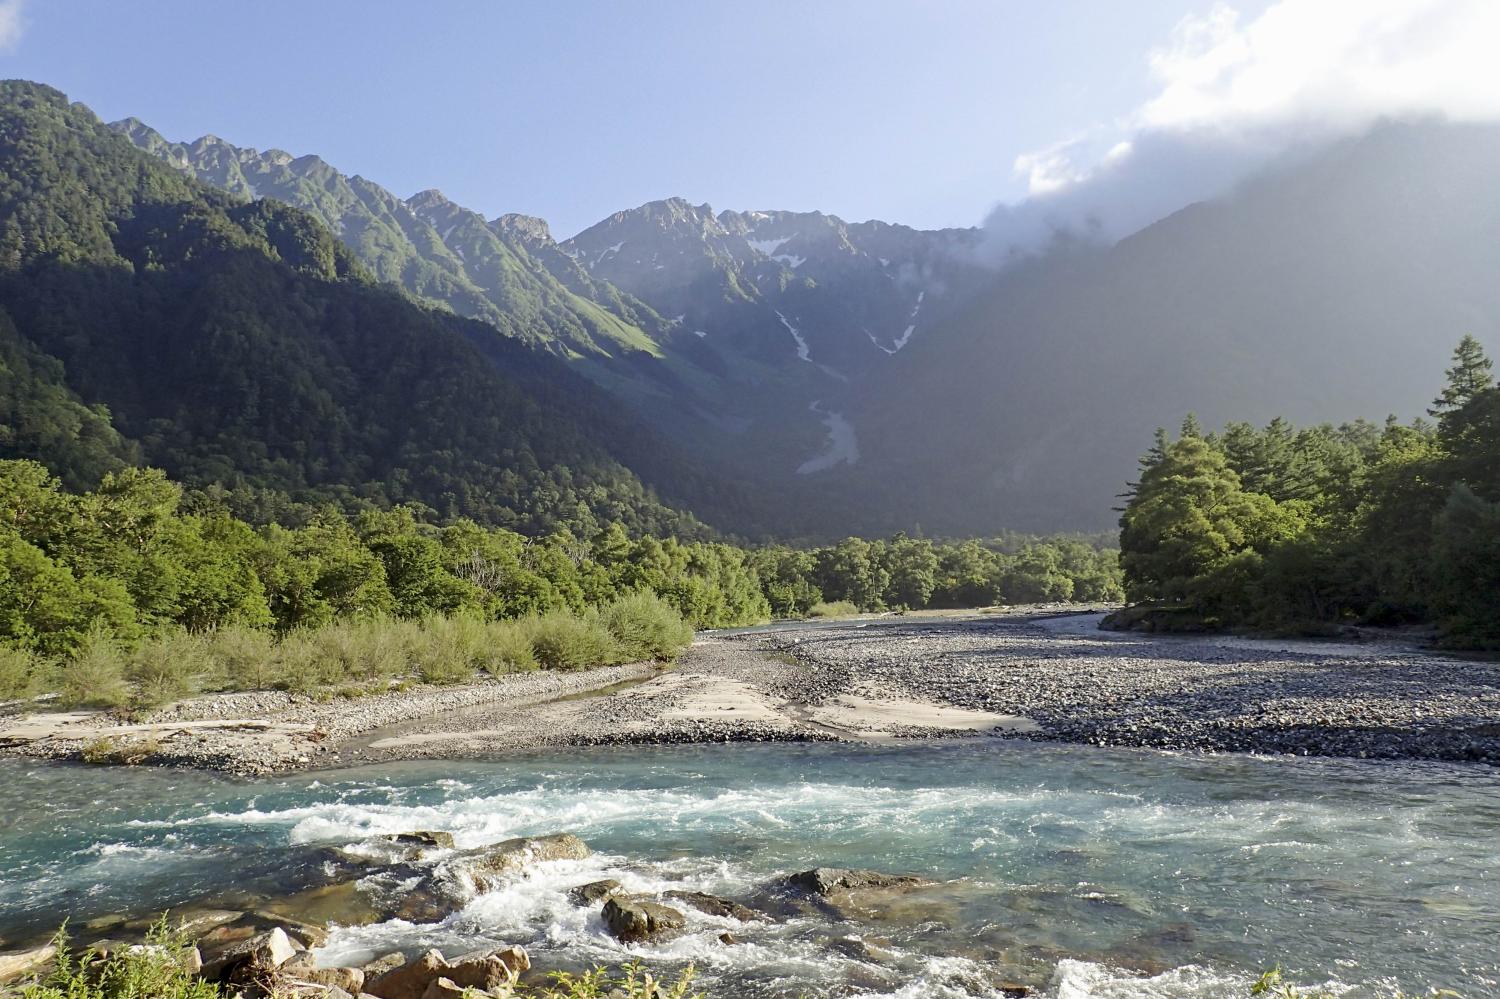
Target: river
[[1088, 872]]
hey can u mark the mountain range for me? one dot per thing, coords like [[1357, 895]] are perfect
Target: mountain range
[[775, 373]]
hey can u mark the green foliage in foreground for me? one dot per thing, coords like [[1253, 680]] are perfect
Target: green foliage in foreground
[[1304, 529], [158, 970]]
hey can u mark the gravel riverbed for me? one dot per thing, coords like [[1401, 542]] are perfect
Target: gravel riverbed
[[1368, 700], [1056, 679]]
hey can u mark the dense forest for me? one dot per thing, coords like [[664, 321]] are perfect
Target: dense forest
[[1291, 529]]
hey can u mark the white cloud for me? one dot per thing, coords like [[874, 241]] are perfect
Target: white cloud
[[1233, 94], [12, 23]]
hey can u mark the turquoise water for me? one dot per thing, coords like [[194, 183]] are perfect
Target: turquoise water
[[1090, 872]]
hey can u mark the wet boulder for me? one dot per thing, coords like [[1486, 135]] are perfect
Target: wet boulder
[[633, 919], [828, 880], [594, 891], [489, 865], [428, 838], [489, 971], [713, 905], [411, 979]]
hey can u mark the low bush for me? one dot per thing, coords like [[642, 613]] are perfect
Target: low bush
[[167, 668], [563, 640], [448, 649], [95, 675], [298, 665], [126, 751], [509, 649], [834, 608], [646, 627], [375, 649], [239, 658], [18, 670], [633, 982], [159, 970]]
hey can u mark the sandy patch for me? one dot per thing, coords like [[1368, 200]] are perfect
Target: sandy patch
[[889, 716], [82, 725], [699, 697]]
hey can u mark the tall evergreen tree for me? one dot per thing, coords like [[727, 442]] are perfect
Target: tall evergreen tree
[[1472, 373]]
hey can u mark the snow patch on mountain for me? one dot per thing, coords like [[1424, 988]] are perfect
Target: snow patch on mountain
[[789, 260], [767, 246], [802, 351], [607, 251]]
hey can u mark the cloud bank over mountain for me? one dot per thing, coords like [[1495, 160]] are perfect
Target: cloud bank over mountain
[[1234, 95]]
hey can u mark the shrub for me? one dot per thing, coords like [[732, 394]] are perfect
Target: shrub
[[646, 627], [634, 982], [18, 670], [167, 667], [126, 751], [509, 649], [240, 658], [834, 608], [300, 667], [563, 640], [364, 650], [448, 649], [158, 970], [94, 676]]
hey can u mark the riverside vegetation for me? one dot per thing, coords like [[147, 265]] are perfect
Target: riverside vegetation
[[1308, 529], [132, 594]]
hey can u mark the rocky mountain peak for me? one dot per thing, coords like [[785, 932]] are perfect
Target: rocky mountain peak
[[527, 228]]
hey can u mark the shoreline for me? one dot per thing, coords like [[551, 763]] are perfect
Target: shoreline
[[1039, 674]]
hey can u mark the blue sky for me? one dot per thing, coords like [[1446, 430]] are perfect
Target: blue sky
[[908, 111]]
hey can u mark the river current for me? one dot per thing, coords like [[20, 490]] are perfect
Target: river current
[[1086, 872]]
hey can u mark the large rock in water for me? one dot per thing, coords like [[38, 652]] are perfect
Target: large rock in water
[[713, 905], [489, 865], [638, 920], [433, 839], [594, 891], [827, 880]]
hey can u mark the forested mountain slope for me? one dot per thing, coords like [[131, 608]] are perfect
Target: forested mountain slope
[[146, 316]]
